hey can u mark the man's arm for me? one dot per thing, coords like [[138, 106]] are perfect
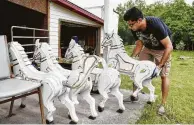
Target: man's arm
[[137, 49], [166, 42]]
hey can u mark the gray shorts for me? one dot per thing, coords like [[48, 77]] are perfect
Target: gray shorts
[[156, 56]]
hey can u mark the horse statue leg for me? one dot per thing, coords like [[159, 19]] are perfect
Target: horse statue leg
[[23, 104], [141, 74], [73, 96], [115, 91], [89, 99], [151, 88], [104, 84], [48, 98], [64, 98], [138, 83], [105, 98]]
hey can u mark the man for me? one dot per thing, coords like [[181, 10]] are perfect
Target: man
[[152, 43]]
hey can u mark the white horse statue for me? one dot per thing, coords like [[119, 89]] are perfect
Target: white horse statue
[[78, 80], [43, 55], [108, 81], [141, 72], [53, 85]]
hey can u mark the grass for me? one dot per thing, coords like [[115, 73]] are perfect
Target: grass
[[180, 102]]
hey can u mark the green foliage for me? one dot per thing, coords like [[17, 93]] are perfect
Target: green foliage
[[178, 15]]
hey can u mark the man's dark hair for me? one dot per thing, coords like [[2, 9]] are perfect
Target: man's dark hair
[[133, 14]]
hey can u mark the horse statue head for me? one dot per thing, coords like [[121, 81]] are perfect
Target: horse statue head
[[74, 50], [112, 40], [43, 51]]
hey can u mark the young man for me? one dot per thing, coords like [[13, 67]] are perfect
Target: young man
[[153, 42]]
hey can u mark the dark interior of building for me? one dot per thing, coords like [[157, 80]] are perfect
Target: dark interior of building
[[87, 36], [16, 15]]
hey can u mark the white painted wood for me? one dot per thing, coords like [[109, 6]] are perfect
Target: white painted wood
[[54, 33], [101, 39], [54, 39], [54, 29]]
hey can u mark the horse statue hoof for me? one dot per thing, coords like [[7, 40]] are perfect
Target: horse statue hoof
[[120, 111], [100, 109], [91, 117], [95, 92], [69, 117], [142, 92], [149, 102], [49, 122], [22, 106], [133, 99], [72, 122]]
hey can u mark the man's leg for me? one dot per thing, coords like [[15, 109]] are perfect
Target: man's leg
[[164, 78], [165, 88]]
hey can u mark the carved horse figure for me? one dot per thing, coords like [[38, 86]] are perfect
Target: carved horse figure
[[78, 80], [108, 81], [52, 84], [43, 55], [140, 72]]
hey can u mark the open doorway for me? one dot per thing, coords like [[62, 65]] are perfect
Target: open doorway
[[88, 37], [16, 15]]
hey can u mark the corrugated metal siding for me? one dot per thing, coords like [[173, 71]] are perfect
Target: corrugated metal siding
[[37, 5], [60, 13]]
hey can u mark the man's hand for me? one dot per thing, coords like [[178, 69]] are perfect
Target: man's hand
[[156, 72], [137, 49]]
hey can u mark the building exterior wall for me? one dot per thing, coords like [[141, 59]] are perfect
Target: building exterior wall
[[37, 5], [98, 11], [57, 14]]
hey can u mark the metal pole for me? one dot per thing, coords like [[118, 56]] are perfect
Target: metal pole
[[106, 25], [106, 15]]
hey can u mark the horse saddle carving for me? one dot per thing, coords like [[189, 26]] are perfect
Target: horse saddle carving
[[124, 63], [78, 77]]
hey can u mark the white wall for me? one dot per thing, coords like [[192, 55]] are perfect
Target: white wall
[[57, 13], [96, 11]]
